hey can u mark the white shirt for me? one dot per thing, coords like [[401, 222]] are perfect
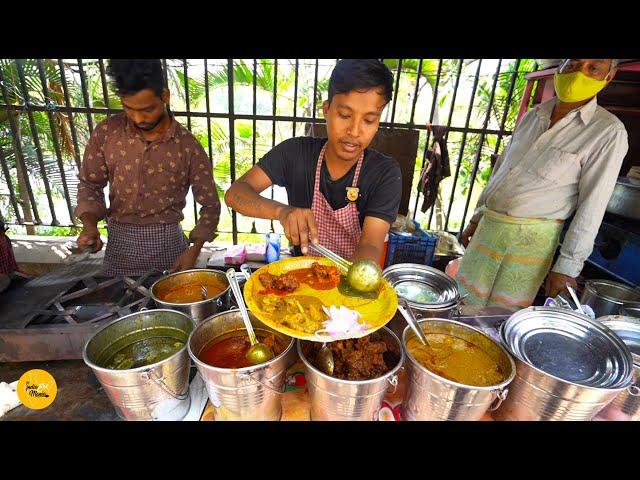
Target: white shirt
[[552, 172]]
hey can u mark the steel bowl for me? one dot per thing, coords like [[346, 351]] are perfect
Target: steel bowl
[[196, 310], [429, 292]]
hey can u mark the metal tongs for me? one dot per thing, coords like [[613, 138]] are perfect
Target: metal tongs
[[334, 257]]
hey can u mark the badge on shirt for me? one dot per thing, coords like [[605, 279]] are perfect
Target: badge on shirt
[[353, 193]]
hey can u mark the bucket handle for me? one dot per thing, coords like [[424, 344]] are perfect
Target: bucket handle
[[500, 397], [393, 381], [150, 375], [634, 390], [245, 376]]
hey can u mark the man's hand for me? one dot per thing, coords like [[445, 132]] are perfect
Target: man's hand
[[187, 259], [465, 236], [89, 237], [557, 282], [299, 226]]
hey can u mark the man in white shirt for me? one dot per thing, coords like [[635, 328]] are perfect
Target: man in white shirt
[[564, 157]]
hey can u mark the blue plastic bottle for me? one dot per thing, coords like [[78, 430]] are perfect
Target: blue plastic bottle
[[273, 247]]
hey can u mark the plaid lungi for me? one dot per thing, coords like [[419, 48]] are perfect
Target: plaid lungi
[[133, 250]]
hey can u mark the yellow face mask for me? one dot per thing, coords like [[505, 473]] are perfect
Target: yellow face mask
[[576, 86]]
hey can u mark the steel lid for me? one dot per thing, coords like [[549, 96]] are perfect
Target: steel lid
[[628, 329], [422, 286], [568, 346]]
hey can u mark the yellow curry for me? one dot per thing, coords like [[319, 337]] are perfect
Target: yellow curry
[[456, 359], [299, 312]]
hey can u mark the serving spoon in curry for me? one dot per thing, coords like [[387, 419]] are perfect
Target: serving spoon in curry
[[258, 352]]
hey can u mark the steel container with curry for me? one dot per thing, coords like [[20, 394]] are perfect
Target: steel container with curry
[[182, 291], [458, 375]]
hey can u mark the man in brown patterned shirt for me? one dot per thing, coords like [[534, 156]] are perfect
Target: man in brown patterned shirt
[[149, 161]]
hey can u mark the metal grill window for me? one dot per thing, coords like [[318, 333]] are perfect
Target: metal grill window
[[239, 109]]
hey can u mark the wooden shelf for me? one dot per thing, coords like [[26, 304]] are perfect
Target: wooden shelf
[[628, 111]]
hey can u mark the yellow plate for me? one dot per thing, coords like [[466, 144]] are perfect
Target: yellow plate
[[374, 312]]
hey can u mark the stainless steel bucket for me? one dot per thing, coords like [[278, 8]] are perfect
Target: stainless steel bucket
[[250, 393], [159, 391], [196, 310], [336, 399], [432, 397], [606, 297], [568, 367], [429, 292], [626, 406]]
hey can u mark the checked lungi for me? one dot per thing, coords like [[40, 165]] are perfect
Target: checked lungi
[[133, 250]]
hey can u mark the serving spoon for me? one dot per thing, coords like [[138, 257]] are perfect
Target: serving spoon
[[258, 352], [363, 275]]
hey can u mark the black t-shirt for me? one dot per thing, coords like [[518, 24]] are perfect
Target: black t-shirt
[[292, 164]]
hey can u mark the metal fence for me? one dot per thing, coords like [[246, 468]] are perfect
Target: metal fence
[[239, 109]]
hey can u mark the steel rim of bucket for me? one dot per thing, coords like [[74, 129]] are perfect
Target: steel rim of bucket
[[240, 371], [143, 368], [392, 372], [218, 297], [500, 387], [538, 370]]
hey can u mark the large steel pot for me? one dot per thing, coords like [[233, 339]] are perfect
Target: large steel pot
[[158, 391], [249, 393], [196, 310], [606, 297], [432, 397], [568, 366], [625, 200], [626, 406], [350, 400]]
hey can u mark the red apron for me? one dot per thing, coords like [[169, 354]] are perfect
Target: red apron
[[338, 230]]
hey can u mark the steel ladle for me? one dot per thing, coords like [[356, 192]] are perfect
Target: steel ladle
[[324, 359], [408, 315], [258, 352], [574, 297], [342, 263]]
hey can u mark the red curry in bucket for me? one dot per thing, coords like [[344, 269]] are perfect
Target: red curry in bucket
[[230, 351]]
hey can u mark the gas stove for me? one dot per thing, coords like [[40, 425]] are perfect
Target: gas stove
[[51, 317]]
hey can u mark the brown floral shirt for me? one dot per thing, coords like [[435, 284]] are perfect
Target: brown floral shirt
[[148, 181]]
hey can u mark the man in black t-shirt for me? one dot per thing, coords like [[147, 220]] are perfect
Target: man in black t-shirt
[[341, 193]]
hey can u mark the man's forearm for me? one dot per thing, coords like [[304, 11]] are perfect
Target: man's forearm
[[367, 251], [245, 200], [90, 220]]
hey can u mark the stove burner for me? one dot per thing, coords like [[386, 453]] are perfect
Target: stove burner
[[89, 301], [52, 317]]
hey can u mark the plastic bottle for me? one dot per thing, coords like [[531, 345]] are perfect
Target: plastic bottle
[[273, 247]]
